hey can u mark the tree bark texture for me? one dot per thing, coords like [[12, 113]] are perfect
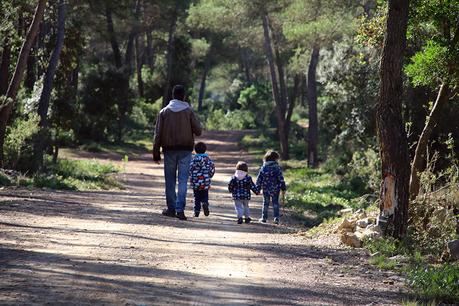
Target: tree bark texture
[[150, 54], [169, 56], [139, 55], [6, 108], [202, 87], [419, 159], [43, 104], [281, 127], [313, 129], [391, 131], [5, 68], [112, 37]]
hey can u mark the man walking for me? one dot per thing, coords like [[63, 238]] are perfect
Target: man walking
[[176, 126]]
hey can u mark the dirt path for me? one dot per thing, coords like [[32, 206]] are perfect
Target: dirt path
[[114, 248]]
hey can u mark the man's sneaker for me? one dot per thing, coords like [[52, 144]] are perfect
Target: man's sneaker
[[196, 214], [247, 220], [181, 215], [205, 207], [168, 213], [239, 221], [262, 220], [276, 220]]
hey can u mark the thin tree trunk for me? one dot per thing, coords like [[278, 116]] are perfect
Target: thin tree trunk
[[418, 163], [31, 74], [246, 65], [43, 105], [169, 57], [313, 129], [292, 101], [150, 54], [6, 108], [5, 68], [391, 131], [275, 89], [202, 87], [112, 37], [139, 64]]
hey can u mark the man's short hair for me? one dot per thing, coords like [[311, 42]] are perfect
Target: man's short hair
[[242, 166], [178, 92], [200, 147]]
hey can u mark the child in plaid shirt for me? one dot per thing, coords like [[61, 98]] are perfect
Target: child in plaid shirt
[[202, 170], [240, 186]]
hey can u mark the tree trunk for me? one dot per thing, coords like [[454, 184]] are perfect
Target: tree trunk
[[281, 128], [313, 129], [5, 68], [139, 55], [150, 54], [43, 104], [421, 148], [112, 37], [391, 131], [6, 108], [202, 87], [31, 74], [170, 53], [246, 65], [292, 101]]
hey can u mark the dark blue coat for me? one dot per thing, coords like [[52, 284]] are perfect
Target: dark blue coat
[[241, 188], [270, 178]]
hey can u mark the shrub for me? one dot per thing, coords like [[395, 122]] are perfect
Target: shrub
[[363, 171], [231, 120], [438, 282], [16, 141]]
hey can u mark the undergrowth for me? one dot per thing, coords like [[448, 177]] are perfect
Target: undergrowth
[[68, 175]]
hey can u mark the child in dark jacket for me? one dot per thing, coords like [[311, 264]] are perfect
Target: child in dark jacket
[[240, 185], [271, 181], [202, 170]]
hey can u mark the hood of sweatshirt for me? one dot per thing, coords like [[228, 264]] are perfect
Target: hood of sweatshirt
[[177, 105], [200, 159], [240, 175]]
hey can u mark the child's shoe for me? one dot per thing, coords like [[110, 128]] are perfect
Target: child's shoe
[[261, 220], [276, 220], [196, 214], [181, 216], [247, 220], [239, 221], [205, 207]]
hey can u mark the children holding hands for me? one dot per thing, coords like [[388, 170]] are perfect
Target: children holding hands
[[269, 180]]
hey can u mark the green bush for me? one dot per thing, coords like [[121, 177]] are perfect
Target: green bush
[[437, 282], [75, 175], [17, 148], [363, 172], [231, 120]]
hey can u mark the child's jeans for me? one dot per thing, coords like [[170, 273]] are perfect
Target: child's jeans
[[242, 208], [275, 201], [200, 197]]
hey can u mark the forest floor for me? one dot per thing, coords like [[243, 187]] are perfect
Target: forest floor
[[115, 247]]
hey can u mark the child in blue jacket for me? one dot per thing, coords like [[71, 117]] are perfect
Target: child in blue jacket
[[202, 170], [271, 181], [240, 186]]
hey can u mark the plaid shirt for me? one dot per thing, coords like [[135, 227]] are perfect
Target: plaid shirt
[[241, 188]]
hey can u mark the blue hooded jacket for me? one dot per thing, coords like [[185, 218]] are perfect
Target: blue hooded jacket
[[270, 178]]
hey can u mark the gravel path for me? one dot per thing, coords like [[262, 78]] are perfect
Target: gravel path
[[115, 248]]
